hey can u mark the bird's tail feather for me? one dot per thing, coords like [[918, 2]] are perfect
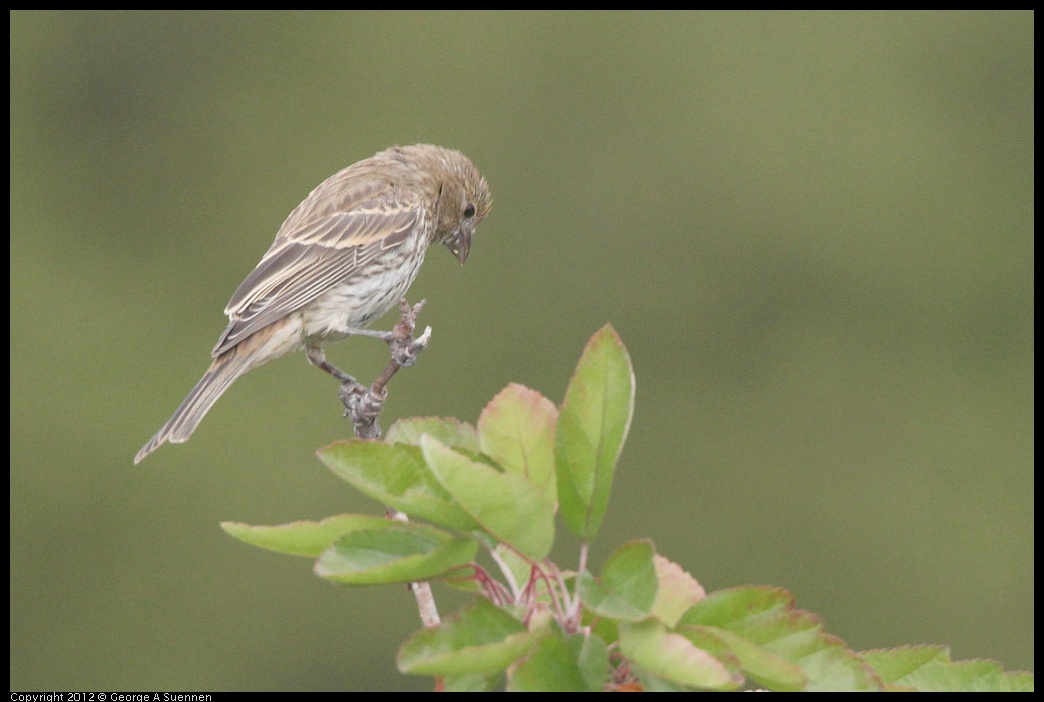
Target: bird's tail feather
[[222, 372]]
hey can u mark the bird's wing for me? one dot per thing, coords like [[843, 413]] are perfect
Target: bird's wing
[[306, 261]]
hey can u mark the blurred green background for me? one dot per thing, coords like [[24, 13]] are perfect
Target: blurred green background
[[814, 232]]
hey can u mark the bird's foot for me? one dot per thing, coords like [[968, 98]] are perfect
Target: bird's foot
[[362, 405], [404, 350], [404, 346]]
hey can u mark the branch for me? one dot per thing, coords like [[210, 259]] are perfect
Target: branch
[[363, 406]]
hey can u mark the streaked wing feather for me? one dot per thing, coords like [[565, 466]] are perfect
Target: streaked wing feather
[[303, 264]]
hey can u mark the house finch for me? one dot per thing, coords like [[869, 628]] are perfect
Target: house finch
[[342, 259]]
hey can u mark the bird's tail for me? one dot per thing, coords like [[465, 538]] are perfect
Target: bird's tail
[[222, 372]]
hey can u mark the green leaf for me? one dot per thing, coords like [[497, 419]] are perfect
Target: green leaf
[[764, 667], [575, 663], [506, 506], [397, 476], [930, 669], [903, 665], [627, 587], [550, 667], [604, 627], [517, 430], [676, 593], [593, 660], [592, 426], [300, 538], [726, 608], [450, 431], [707, 639], [394, 552], [766, 617], [673, 657], [648, 682], [470, 683], [479, 639]]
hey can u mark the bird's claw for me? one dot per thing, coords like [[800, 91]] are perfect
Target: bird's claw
[[362, 405], [404, 346], [404, 350], [360, 401]]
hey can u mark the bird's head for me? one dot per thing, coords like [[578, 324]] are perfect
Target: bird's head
[[463, 201]]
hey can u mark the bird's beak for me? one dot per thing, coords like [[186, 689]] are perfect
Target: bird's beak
[[459, 245]]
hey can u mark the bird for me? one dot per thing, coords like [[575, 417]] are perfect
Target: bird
[[344, 257]]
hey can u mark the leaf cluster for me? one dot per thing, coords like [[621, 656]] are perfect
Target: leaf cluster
[[641, 623]]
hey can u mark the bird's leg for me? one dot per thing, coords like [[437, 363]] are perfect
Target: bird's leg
[[318, 359], [358, 331], [404, 347], [360, 402]]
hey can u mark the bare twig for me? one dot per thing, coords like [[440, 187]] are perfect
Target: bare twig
[[363, 406]]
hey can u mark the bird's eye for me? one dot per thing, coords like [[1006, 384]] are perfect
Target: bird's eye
[[469, 211]]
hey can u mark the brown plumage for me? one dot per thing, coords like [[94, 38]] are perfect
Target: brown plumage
[[343, 258]]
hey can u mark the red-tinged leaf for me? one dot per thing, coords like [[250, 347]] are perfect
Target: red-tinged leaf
[[517, 430]]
